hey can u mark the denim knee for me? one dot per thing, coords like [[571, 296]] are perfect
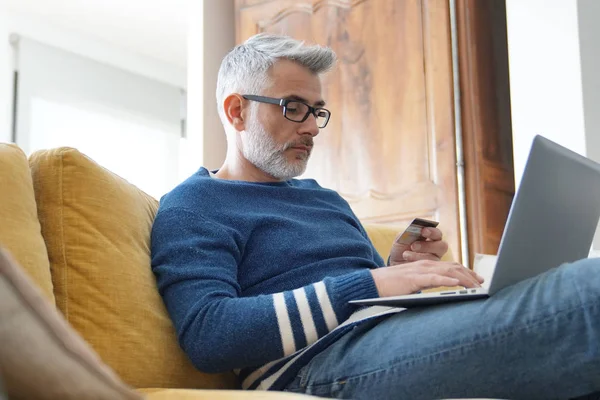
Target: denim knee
[[585, 275]]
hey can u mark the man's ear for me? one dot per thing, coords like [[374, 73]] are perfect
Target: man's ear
[[235, 111]]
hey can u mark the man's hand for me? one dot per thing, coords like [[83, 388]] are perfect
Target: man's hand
[[432, 248], [412, 277]]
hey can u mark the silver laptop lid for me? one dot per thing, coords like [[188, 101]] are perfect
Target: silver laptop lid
[[553, 216]]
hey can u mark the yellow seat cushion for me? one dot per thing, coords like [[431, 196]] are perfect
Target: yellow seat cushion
[[19, 226], [97, 230], [174, 394]]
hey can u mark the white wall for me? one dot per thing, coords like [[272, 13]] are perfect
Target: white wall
[[5, 80], [554, 62], [545, 75], [589, 38], [211, 36], [154, 28], [36, 28]]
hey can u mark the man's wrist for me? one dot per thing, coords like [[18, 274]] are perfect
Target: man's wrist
[[380, 276]]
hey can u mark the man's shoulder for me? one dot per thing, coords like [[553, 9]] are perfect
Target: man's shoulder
[[314, 185], [193, 192], [204, 194], [307, 183]]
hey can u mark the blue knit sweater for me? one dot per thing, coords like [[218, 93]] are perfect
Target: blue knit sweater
[[257, 276]]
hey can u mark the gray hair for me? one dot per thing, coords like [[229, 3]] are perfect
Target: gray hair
[[245, 68]]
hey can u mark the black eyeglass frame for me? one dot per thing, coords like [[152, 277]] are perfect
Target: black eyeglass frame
[[284, 102]]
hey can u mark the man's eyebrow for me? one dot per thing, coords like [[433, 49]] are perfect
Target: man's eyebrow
[[319, 103]]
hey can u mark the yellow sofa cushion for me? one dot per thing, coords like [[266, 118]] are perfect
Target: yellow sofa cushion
[[19, 226], [97, 230], [382, 237]]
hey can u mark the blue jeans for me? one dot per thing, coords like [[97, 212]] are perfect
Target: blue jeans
[[538, 339]]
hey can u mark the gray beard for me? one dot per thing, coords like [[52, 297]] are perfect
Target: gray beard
[[261, 150]]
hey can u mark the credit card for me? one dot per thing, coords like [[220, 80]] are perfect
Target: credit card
[[413, 232]]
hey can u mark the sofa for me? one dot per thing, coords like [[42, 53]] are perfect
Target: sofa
[[81, 234]]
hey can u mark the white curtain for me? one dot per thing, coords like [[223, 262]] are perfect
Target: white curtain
[[128, 123]]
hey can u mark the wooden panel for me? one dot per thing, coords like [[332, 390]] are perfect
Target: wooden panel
[[389, 147], [486, 121]]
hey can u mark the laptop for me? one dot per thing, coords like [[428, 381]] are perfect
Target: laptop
[[552, 220]]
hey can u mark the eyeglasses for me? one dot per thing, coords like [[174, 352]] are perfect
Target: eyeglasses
[[295, 110]]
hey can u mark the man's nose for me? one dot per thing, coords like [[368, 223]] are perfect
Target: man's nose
[[310, 127]]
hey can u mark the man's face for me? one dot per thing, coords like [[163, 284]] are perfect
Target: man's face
[[274, 144]]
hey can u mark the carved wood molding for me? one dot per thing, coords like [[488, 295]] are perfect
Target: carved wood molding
[[337, 3], [307, 9], [296, 8]]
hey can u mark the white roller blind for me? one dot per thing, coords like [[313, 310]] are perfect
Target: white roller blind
[[128, 123]]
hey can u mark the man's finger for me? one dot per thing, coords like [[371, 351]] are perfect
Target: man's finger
[[414, 256], [431, 233], [427, 281], [461, 273], [438, 248], [476, 275]]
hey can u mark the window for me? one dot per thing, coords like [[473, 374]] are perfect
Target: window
[[127, 123]]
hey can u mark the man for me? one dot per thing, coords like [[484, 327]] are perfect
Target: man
[[256, 270]]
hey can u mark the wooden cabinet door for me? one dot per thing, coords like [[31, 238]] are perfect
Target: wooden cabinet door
[[389, 148], [486, 120]]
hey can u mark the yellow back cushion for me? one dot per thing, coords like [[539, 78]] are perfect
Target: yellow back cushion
[[97, 229], [382, 237], [19, 226]]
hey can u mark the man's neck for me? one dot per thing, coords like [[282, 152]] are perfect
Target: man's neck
[[239, 169]]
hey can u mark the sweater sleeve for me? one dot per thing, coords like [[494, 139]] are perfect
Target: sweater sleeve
[[376, 256], [196, 265]]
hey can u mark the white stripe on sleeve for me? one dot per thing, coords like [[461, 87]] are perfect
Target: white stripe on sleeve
[[285, 327], [365, 313], [250, 379], [328, 313], [310, 330]]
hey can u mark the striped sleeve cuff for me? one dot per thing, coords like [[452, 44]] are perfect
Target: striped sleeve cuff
[[356, 286], [306, 314]]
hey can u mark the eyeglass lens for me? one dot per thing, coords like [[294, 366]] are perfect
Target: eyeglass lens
[[296, 111]]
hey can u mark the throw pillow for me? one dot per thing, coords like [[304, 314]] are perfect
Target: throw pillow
[[41, 357], [97, 230]]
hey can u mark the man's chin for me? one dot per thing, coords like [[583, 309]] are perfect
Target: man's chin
[[300, 164], [295, 171], [285, 174], [298, 156]]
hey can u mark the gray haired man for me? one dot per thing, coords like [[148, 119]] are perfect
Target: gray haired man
[[256, 269]]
